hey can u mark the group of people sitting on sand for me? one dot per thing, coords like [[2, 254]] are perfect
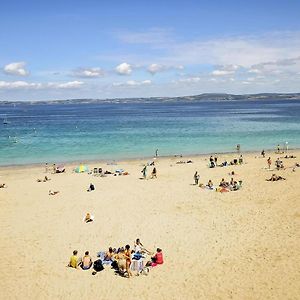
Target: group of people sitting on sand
[[213, 162], [123, 260], [224, 186]]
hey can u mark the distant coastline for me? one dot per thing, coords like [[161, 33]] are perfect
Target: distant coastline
[[193, 98]]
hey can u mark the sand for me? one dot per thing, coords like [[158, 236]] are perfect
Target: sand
[[236, 245]]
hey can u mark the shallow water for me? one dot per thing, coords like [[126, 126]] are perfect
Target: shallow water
[[69, 132]]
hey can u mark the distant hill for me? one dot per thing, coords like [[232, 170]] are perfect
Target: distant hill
[[201, 97]]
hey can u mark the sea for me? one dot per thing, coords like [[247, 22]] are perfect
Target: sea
[[59, 133]]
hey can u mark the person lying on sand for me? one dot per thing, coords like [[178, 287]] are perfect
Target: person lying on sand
[[74, 260], [3, 185], [275, 177], [86, 261], [53, 192]]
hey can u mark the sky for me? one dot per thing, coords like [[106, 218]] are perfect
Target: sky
[[121, 49]]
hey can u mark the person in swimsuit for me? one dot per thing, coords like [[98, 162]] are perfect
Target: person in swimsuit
[[128, 259], [86, 262]]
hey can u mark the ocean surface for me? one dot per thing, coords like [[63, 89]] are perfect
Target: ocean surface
[[51, 133]]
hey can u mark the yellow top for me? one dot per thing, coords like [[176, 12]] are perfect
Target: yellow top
[[73, 261]]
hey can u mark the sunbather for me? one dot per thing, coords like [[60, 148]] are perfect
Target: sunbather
[[88, 218], [210, 184], [91, 188], [86, 262], [139, 247], [74, 260], [128, 260], [121, 261], [157, 259], [275, 177], [53, 192]]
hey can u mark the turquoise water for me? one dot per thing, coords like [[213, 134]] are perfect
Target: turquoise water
[[73, 132]]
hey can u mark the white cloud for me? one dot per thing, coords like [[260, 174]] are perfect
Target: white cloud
[[88, 72], [124, 69], [221, 72], [156, 68], [68, 85], [16, 68], [190, 80], [6, 85], [132, 83], [19, 85]]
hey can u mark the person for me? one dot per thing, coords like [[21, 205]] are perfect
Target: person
[[223, 183], [74, 260], [88, 218], [158, 258], [210, 184], [54, 168], [278, 148], [46, 168], [238, 148], [216, 160], [196, 178], [121, 261], [274, 177], [263, 153], [144, 172], [241, 159], [128, 260], [3, 185], [109, 255], [53, 192], [156, 152], [269, 161], [286, 147], [139, 247], [86, 262], [91, 188], [154, 173]]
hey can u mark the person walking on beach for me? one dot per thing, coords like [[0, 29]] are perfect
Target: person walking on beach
[[196, 178], [154, 173], [156, 152], [269, 162], [144, 172], [263, 153]]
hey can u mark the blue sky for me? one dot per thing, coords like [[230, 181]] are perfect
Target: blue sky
[[107, 49]]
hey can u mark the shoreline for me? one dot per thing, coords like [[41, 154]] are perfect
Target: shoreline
[[143, 158]]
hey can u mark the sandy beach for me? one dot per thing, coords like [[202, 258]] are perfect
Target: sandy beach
[[238, 245]]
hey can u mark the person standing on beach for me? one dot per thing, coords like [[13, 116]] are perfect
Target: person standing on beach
[[278, 148], [144, 172], [238, 148], [46, 168], [156, 152], [269, 162], [154, 173], [263, 153], [196, 178]]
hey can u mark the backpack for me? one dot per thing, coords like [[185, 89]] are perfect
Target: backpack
[[98, 265]]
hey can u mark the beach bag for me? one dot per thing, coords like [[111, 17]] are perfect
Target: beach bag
[[98, 265]]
